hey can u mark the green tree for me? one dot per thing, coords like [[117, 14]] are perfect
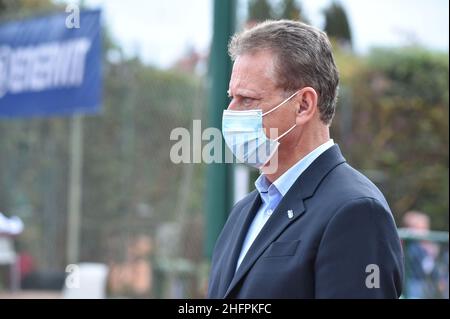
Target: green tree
[[259, 10], [292, 10], [23, 8], [392, 121], [337, 25]]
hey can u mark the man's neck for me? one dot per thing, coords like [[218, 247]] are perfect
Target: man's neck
[[288, 157]]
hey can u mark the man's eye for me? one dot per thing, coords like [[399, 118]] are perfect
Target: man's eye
[[247, 101]]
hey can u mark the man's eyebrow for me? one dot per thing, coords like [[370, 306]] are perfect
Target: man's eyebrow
[[245, 93]]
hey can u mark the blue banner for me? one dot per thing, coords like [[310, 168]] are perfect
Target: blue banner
[[50, 67]]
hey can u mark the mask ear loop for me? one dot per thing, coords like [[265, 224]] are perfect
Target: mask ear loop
[[276, 107], [281, 136]]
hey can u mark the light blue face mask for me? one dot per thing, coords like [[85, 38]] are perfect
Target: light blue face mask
[[244, 134]]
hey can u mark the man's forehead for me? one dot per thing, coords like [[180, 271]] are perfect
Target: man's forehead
[[252, 72]]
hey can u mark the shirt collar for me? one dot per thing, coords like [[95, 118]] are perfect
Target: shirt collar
[[285, 181], [262, 184]]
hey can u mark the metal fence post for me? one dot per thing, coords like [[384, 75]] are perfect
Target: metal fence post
[[219, 176]]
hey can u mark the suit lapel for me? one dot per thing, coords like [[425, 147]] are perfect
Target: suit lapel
[[303, 188], [236, 240], [271, 230]]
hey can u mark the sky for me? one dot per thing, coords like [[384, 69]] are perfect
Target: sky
[[161, 31]]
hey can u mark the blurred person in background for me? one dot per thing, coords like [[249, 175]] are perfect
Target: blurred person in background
[[422, 255], [134, 276]]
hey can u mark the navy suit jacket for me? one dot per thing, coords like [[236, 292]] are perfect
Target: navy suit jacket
[[341, 227]]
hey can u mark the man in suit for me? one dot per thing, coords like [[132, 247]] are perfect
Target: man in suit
[[314, 227]]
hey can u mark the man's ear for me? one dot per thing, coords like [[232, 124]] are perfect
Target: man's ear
[[306, 105]]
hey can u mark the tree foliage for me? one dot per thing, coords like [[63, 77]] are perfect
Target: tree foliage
[[292, 10], [392, 121], [259, 10], [337, 25]]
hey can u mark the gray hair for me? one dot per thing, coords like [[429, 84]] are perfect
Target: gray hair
[[302, 57]]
